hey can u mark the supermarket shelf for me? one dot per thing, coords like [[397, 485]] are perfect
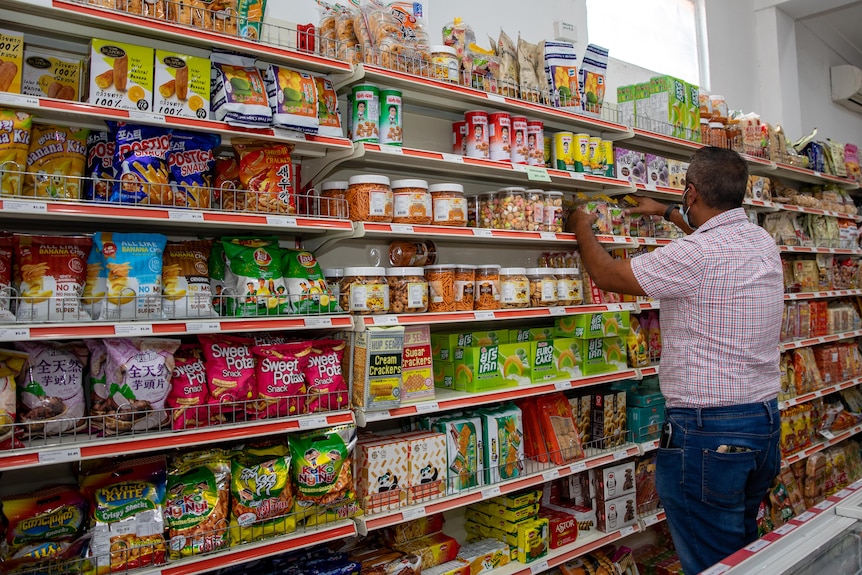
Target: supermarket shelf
[[816, 212], [660, 192], [833, 439], [655, 142], [812, 177], [43, 452], [822, 294], [370, 522], [761, 205], [253, 551], [447, 399], [792, 525], [786, 346], [653, 519], [80, 19], [455, 98], [53, 331], [647, 305], [813, 250], [806, 397], [305, 145]]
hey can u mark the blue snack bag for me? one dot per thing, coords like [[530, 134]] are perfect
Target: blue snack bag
[[141, 165], [191, 160]]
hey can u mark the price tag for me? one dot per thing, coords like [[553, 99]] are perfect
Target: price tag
[[496, 98], [414, 513], [313, 422], [758, 545], [550, 475], [18, 100], [785, 529], [651, 520], [578, 176], [842, 494], [614, 306], [716, 569], [123, 528], [427, 407], [538, 174], [203, 327], [824, 505], [818, 175], [483, 315], [60, 455], [14, 333], [402, 228], [386, 320], [563, 385], [377, 415], [133, 329], [626, 531], [827, 434], [482, 233], [286, 221], [185, 216], [548, 235], [557, 310], [579, 466], [289, 134], [25, 207], [650, 187], [318, 322], [620, 455], [539, 567], [803, 517], [146, 117], [386, 149], [491, 492], [453, 158]]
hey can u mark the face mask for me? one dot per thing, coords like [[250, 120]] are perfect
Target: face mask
[[685, 211]]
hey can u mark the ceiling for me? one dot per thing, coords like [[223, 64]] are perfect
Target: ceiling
[[838, 23]]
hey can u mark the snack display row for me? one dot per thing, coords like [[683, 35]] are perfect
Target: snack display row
[[804, 319], [665, 105], [500, 137], [811, 230], [812, 368], [827, 197], [805, 425], [142, 512], [40, 70]]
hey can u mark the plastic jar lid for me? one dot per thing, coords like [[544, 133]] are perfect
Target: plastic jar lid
[[403, 272], [446, 188], [368, 179], [513, 271], [488, 267], [514, 189], [465, 267], [569, 271], [397, 184], [333, 185], [440, 267], [716, 125], [554, 193], [333, 272], [364, 271], [443, 49], [540, 271]]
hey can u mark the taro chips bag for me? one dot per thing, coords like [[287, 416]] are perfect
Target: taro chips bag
[[257, 277], [197, 505], [14, 145], [52, 274], [55, 162], [185, 280], [238, 91], [266, 174], [230, 369], [137, 382], [134, 275], [51, 396], [141, 165], [127, 501], [280, 377], [191, 161], [262, 495], [293, 99], [306, 285], [327, 388], [322, 466], [189, 392], [100, 166], [49, 515]]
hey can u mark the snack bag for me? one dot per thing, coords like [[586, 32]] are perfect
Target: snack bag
[[127, 501], [266, 175], [7, 247], [48, 516], [322, 471], [250, 18], [459, 35], [238, 91], [191, 162], [134, 275], [531, 71], [14, 144], [141, 165], [257, 278], [95, 284], [137, 376], [189, 395], [293, 99], [51, 270], [100, 166], [11, 364], [306, 286], [225, 194], [55, 163], [328, 114], [185, 280], [327, 387], [230, 370], [559, 429], [591, 81], [51, 394], [562, 73], [196, 505], [262, 494], [508, 54], [280, 377]]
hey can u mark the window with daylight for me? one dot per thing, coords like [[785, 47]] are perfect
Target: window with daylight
[[659, 35]]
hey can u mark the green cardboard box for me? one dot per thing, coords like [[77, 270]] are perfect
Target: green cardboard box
[[601, 355], [626, 104], [444, 344], [515, 362], [478, 369], [692, 124], [593, 325], [568, 357], [643, 112], [645, 422], [444, 374], [544, 368], [531, 334], [668, 100]]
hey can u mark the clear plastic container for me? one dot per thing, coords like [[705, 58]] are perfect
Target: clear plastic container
[[487, 287], [441, 287], [514, 288], [408, 290], [553, 213], [569, 290], [543, 287], [444, 60], [333, 200], [717, 135], [511, 209], [364, 290], [412, 202], [465, 287], [487, 210], [450, 205], [535, 210], [404, 253], [369, 199], [333, 278]]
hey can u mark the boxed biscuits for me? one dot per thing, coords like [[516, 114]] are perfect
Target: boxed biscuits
[[427, 465], [11, 56], [485, 555], [121, 75], [382, 472], [464, 452], [613, 481], [52, 74], [616, 513], [503, 441], [182, 85], [417, 381]]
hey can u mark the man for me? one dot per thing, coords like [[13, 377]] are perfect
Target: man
[[721, 293]]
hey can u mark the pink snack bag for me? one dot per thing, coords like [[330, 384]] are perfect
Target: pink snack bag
[[230, 370], [327, 388], [280, 376], [189, 390]]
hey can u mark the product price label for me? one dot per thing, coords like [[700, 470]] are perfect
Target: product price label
[[491, 492], [284, 221], [626, 531], [17, 100], [414, 513], [126, 329], [453, 158], [563, 385], [552, 474], [318, 322], [60, 455], [386, 320], [548, 235], [313, 422], [557, 310], [377, 416], [203, 327], [146, 117], [651, 520], [803, 517], [185, 216], [538, 174], [496, 98], [483, 315], [620, 455], [579, 466], [842, 494], [824, 505], [482, 233], [14, 334], [785, 529], [25, 207], [391, 150], [402, 228], [757, 545], [539, 567], [427, 407]]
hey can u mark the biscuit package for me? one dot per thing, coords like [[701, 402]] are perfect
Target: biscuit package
[[238, 91], [182, 85], [293, 99], [262, 496], [52, 74], [50, 277], [141, 165], [559, 429], [14, 144], [185, 280], [464, 448], [56, 162], [121, 75], [196, 506], [503, 430], [134, 275], [100, 166]]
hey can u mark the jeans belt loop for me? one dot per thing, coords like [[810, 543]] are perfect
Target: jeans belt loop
[[697, 410]]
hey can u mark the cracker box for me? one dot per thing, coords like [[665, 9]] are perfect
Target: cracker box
[[568, 357], [593, 325], [530, 512], [11, 61], [52, 74], [692, 121], [503, 430], [444, 374], [182, 85], [479, 369], [496, 510], [645, 422], [608, 419], [543, 366], [417, 383], [533, 540], [477, 530], [531, 334], [616, 513], [427, 465], [630, 165], [382, 472], [121, 75], [613, 481], [433, 549], [464, 457], [516, 501], [562, 527], [377, 367], [454, 567], [514, 360], [404, 532], [476, 516], [676, 174], [484, 555], [443, 344]]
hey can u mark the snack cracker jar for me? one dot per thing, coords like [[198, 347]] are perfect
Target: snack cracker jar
[[487, 210], [333, 281], [553, 213], [408, 290], [412, 202], [535, 208], [465, 287], [333, 200], [364, 290], [569, 286], [450, 205], [543, 287], [511, 211], [445, 63], [441, 287], [477, 134], [369, 198], [514, 288], [487, 295]]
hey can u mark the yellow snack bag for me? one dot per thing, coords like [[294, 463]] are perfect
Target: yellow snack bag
[[14, 144], [56, 162]]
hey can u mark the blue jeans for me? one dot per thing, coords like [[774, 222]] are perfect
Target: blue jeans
[[711, 493]]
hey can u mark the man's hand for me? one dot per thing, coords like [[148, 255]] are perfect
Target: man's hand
[[579, 217], [647, 207]]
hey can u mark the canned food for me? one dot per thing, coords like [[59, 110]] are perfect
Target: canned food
[[500, 131], [390, 118], [563, 152], [477, 134], [364, 290], [459, 138], [608, 153], [514, 288], [441, 287], [408, 290], [365, 113], [369, 198], [581, 152], [597, 167], [449, 204], [535, 143], [465, 287], [412, 202], [487, 287], [519, 140]]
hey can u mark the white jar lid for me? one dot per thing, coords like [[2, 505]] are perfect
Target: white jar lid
[[409, 184], [513, 271], [465, 267], [716, 125], [446, 188], [540, 272], [364, 271], [333, 185], [405, 271], [569, 271], [440, 267], [513, 189], [492, 267], [368, 179], [333, 272], [444, 49]]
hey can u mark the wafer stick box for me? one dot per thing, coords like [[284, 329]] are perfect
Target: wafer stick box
[[121, 75], [182, 85]]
